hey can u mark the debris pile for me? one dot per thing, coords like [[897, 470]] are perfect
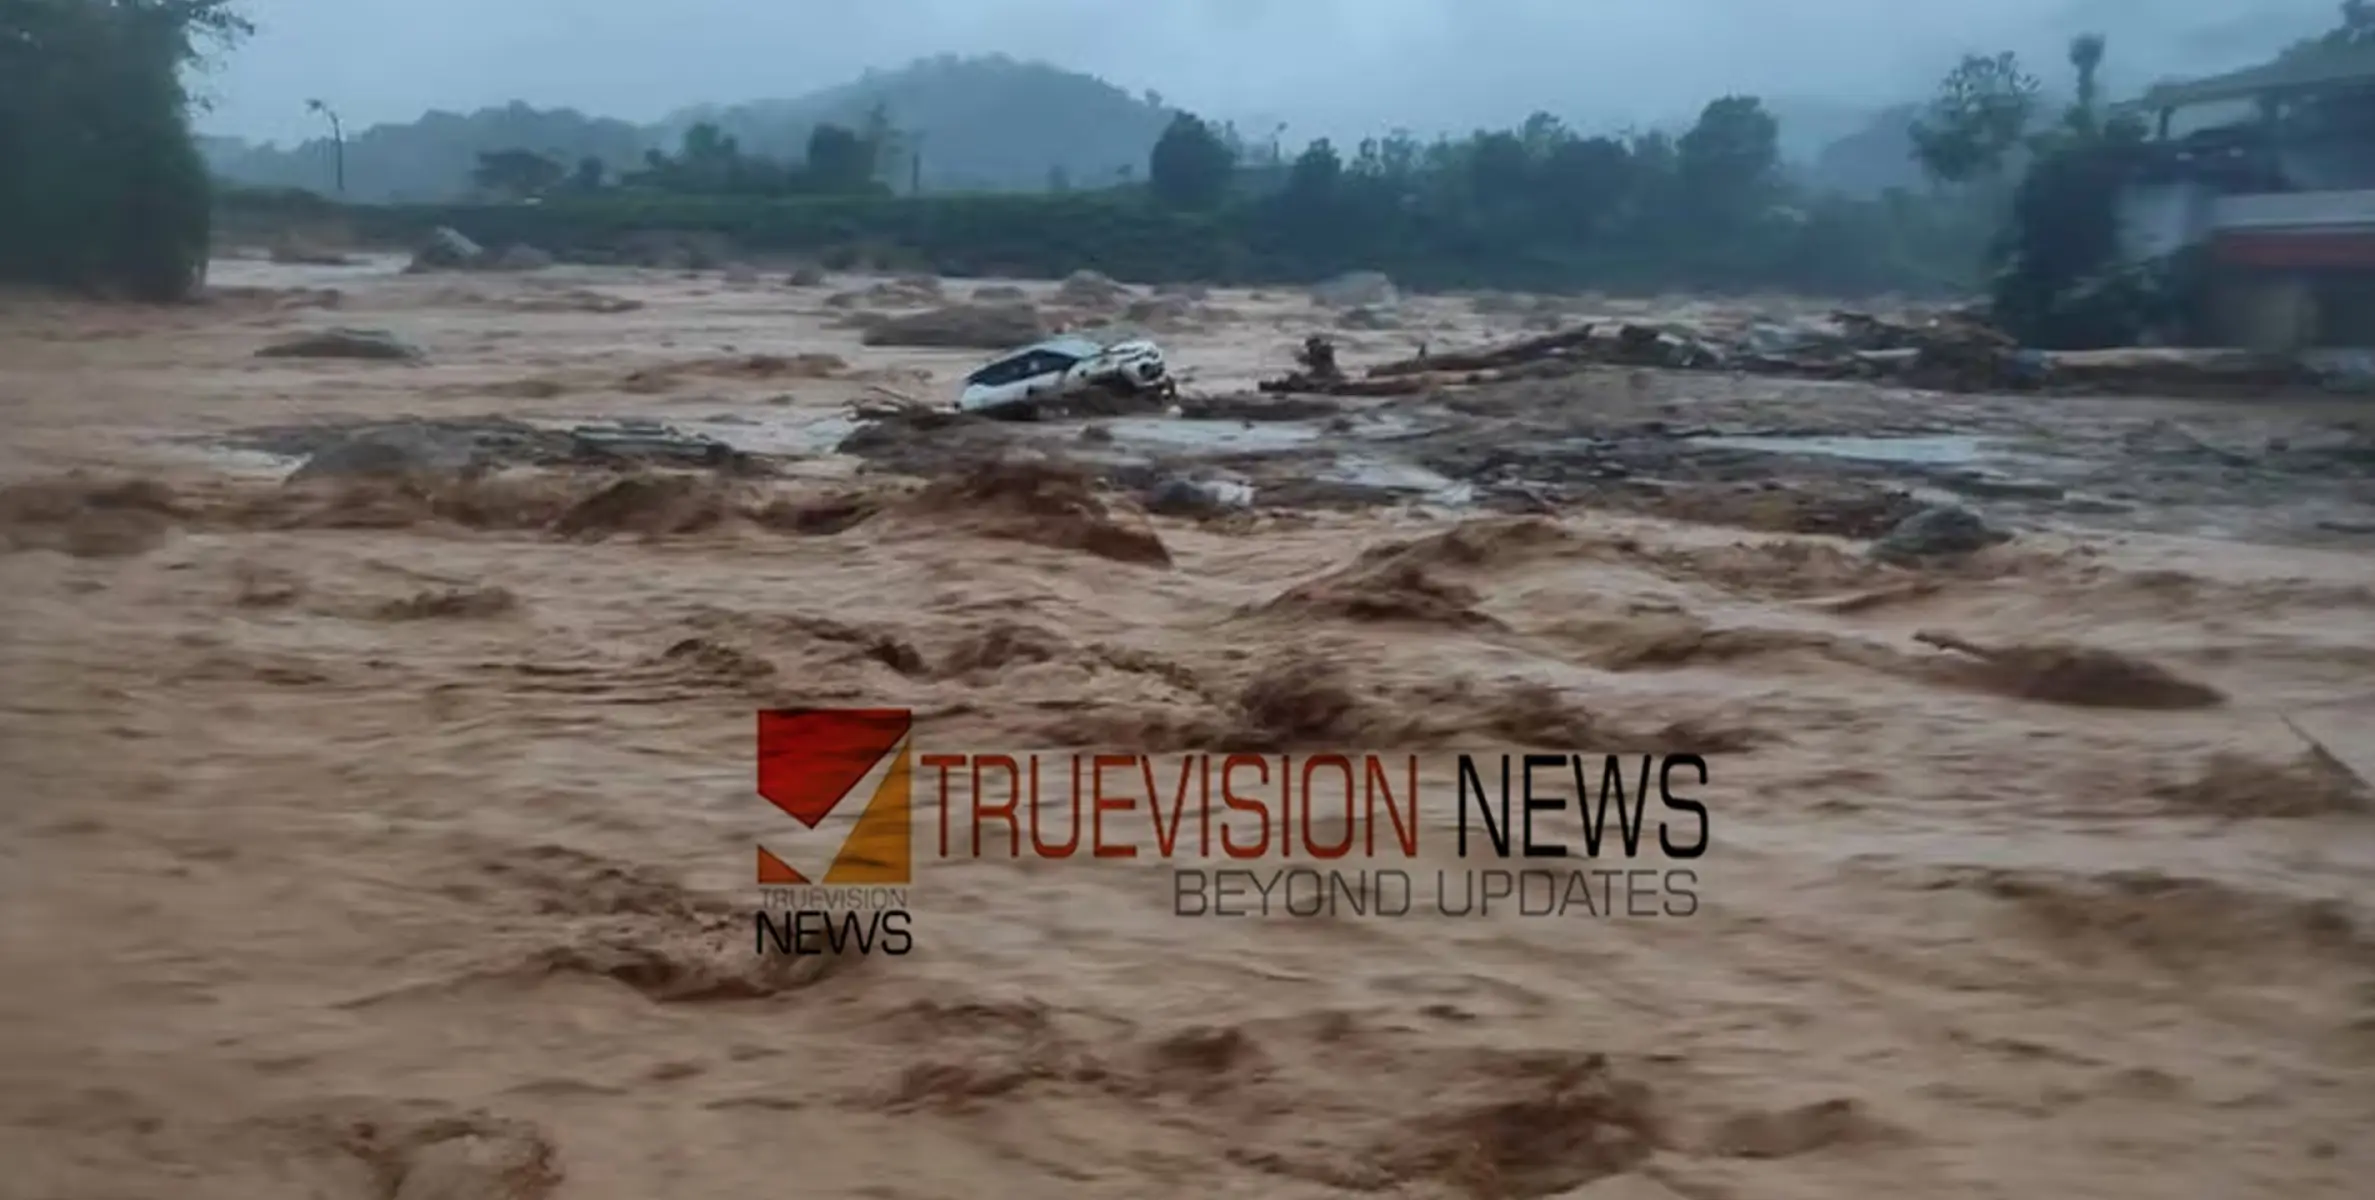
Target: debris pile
[[1318, 373], [1954, 352], [1557, 352]]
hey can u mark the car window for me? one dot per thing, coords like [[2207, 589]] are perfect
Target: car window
[[1005, 370]]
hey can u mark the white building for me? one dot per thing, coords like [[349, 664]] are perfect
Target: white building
[[2275, 181]]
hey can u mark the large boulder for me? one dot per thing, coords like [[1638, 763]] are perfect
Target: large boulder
[[1934, 534], [447, 250], [376, 345], [392, 451]]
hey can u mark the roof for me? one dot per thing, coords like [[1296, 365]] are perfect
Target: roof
[[2321, 67], [1072, 344]]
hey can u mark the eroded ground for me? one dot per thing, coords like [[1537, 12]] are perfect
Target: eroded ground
[[370, 841]]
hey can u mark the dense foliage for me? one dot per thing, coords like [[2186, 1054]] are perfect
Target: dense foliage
[[1538, 206], [709, 162], [101, 186]]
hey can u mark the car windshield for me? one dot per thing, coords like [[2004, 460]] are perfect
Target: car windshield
[[1022, 366]]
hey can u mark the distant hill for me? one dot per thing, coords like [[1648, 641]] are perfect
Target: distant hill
[[991, 124], [987, 124], [429, 159]]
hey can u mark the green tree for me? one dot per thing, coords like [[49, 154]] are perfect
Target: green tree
[[101, 185], [2060, 281], [1981, 112], [1587, 181], [1729, 163], [1191, 166], [839, 159], [1312, 181], [517, 173]]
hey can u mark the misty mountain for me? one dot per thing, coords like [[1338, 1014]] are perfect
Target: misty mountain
[[987, 123], [982, 124], [995, 123], [429, 159]]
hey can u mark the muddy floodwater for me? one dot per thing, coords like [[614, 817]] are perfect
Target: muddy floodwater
[[371, 837]]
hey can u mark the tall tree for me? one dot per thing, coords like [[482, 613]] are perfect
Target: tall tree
[[2086, 62], [1981, 112], [101, 184], [839, 159], [1190, 166], [1729, 163]]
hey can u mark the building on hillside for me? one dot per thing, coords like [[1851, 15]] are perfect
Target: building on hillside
[[2273, 180]]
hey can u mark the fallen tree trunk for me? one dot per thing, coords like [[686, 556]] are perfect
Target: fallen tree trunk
[[1415, 384], [1549, 345], [1310, 386]]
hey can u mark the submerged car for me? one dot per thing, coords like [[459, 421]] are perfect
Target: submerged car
[[1044, 372]]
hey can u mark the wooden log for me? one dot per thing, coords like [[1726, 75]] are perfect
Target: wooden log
[[1548, 345]]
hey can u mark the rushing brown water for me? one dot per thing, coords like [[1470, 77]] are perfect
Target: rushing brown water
[[372, 845]]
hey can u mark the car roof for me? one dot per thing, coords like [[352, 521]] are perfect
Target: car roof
[[1071, 344]]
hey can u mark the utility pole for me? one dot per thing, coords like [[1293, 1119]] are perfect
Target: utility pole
[[337, 141], [915, 163]]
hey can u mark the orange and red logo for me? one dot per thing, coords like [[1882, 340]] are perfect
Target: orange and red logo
[[811, 762]]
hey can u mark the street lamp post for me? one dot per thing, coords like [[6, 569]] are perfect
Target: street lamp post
[[337, 140]]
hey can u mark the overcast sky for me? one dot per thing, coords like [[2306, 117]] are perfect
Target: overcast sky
[[1326, 65]]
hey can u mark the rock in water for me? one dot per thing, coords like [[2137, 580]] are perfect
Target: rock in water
[[392, 451], [1197, 497], [1943, 531], [372, 344], [447, 250]]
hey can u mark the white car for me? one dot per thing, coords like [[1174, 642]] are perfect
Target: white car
[[1065, 366]]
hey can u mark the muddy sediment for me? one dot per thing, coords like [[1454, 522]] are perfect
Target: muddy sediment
[[389, 830]]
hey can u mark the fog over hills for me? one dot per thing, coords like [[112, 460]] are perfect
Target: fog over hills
[[609, 79]]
